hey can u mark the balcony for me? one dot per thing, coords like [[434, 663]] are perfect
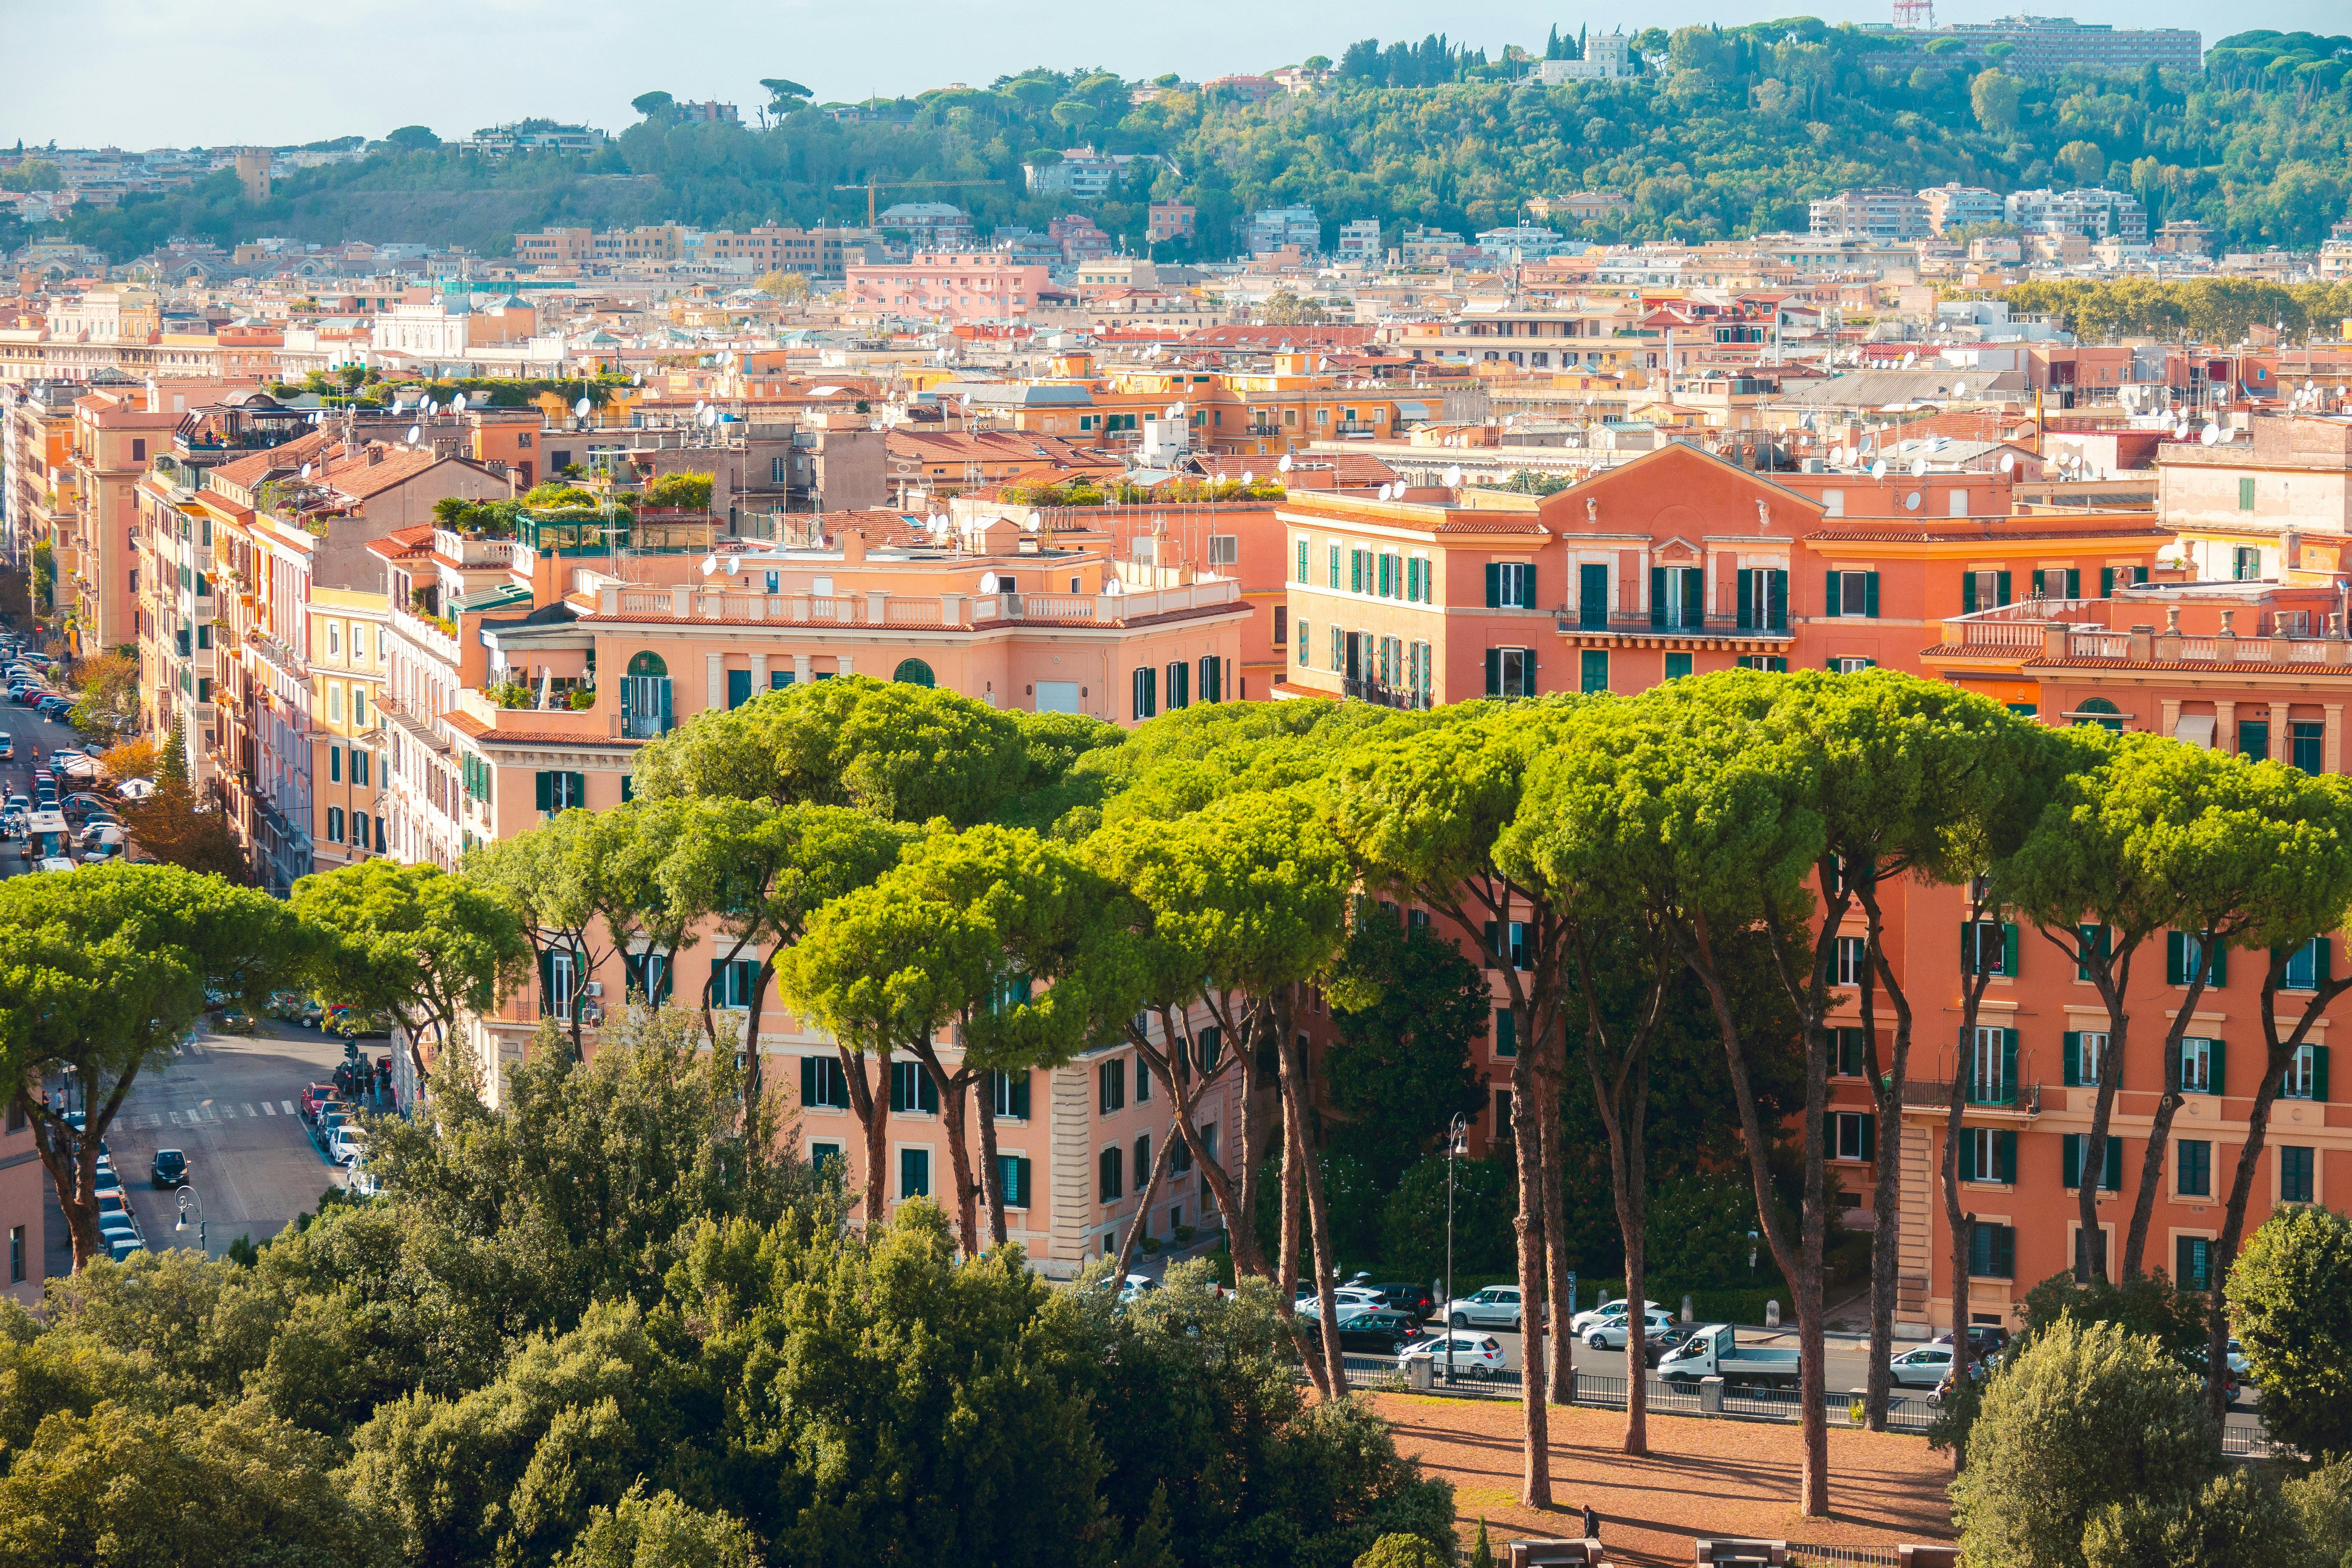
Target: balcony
[[911, 612], [1640, 623], [2020, 1099], [1381, 694]]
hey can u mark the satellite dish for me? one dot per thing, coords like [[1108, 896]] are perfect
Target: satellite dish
[[581, 407], [457, 403], [430, 408], [1911, 501], [709, 417], [2212, 435], [1918, 468], [1285, 463], [1248, 477], [638, 379], [709, 564], [731, 564], [1960, 389], [414, 432], [1878, 469], [1453, 478], [306, 470], [2008, 461]]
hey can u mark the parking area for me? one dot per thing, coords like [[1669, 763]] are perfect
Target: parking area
[[232, 1104]]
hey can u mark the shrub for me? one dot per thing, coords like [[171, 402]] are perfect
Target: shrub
[[1404, 1551], [2290, 1296]]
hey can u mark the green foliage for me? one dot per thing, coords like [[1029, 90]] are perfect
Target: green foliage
[[1404, 1551], [2322, 1502], [1406, 1005], [1481, 1554], [2085, 1416], [2207, 310], [2238, 1517], [2148, 1306], [1413, 1224], [2290, 1300], [680, 492], [659, 1532]]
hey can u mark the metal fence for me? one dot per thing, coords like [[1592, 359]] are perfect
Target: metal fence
[[1905, 1413], [1822, 1556]]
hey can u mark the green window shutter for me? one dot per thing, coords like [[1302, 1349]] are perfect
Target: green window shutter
[[2009, 1063], [1494, 585], [2008, 949], [1657, 596], [2074, 581], [1835, 593], [1828, 1135], [2176, 959], [1507, 1032], [2004, 1247], [1776, 602], [1747, 599], [2220, 968], [2140, 574], [543, 794], [2217, 1070], [1968, 593], [1302, 561], [2039, 575], [2074, 1059], [2004, 589], [808, 1080], [1693, 596], [579, 793], [2106, 582], [1870, 595], [2319, 1074], [2246, 495], [1493, 667], [2071, 1159], [1869, 1137], [547, 981], [1969, 1156], [2111, 1176], [2004, 1151]]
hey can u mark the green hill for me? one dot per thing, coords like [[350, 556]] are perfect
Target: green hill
[[1735, 133]]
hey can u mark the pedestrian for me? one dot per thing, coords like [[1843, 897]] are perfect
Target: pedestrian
[[1591, 1523]]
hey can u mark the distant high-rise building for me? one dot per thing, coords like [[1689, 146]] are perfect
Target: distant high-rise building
[[2037, 45], [1878, 212], [2092, 212], [1957, 205]]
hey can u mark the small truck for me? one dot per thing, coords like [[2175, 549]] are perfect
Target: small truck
[[1714, 1351]]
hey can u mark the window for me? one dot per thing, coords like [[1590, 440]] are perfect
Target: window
[[2090, 1248], [1142, 1082], [822, 1083], [1110, 1167], [1592, 670], [2254, 740], [556, 972], [1147, 692], [2193, 1263], [1993, 1066], [1282, 625], [1677, 597], [646, 697], [733, 981], [2086, 1050], [1302, 561], [1507, 1033], [2306, 1074], [2111, 1173], [1502, 1113], [2184, 961], [1776, 664], [1853, 594], [15, 1255], [334, 824], [1110, 1085], [1179, 680], [334, 765], [1851, 1135], [1142, 1167], [1678, 665], [1510, 585], [2295, 1174], [914, 1172], [2303, 741], [1009, 1095], [2057, 582], [1593, 597], [359, 707], [1992, 1251], [2246, 563], [1012, 1178], [1988, 1154], [2309, 966], [2109, 576], [2201, 1067], [1849, 1057], [912, 1089], [1983, 591], [1517, 949], [1511, 671], [555, 792], [334, 702], [1988, 947], [1333, 582], [2195, 1172], [1763, 599], [1852, 959], [739, 687], [2246, 495]]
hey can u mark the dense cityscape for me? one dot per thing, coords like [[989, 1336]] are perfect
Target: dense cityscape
[[1144, 822]]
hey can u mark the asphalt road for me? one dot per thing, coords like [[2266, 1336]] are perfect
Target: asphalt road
[[232, 1104], [27, 728]]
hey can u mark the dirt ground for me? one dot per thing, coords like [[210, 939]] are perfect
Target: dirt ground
[[1702, 1478]]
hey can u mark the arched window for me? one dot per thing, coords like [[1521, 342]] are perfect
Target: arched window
[[913, 672], [644, 697], [2093, 710]]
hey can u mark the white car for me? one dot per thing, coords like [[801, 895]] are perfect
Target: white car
[[1475, 1355], [1346, 1300], [1610, 1333], [135, 789], [1616, 1308], [53, 863], [1922, 1368], [1496, 1307], [348, 1147]]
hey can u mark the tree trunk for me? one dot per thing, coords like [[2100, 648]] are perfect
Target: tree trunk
[[1143, 1201], [1240, 1200], [2090, 1263], [71, 1158], [953, 1122], [1294, 1219], [1629, 1170], [1318, 1212], [873, 1114], [1962, 1226], [1886, 1193], [2159, 1133], [1559, 1381], [991, 1179], [1184, 1087], [1527, 1135], [755, 1070]]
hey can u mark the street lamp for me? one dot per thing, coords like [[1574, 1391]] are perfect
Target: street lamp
[[187, 1199], [1457, 1139]]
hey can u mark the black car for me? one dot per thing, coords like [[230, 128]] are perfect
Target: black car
[[1413, 1299], [1655, 1346], [171, 1167], [1381, 1333], [1984, 1340]]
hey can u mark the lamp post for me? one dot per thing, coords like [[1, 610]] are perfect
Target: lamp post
[[1455, 1137], [188, 1200]]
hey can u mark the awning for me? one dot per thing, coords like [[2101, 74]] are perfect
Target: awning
[[2197, 729]]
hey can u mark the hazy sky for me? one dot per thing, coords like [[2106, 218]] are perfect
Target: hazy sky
[[144, 73]]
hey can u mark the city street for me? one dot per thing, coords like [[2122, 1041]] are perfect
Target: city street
[[232, 1104]]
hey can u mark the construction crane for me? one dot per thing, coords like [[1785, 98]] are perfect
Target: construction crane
[[871, 185]]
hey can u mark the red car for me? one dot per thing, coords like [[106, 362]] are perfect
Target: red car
[[315, 1099]]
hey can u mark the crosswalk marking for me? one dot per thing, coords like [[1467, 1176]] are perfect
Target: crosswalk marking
[[267, 1108], [289, 1105], [195, 1113], [176, 1119], [248, 1108]]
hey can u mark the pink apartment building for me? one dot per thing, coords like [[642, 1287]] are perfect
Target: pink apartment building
[[948, 286], [1011, 617]]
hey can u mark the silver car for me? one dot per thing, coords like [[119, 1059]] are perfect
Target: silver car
[[1496, 1307]]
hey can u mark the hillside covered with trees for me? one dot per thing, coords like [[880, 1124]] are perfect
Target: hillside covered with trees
[[1730, 132]]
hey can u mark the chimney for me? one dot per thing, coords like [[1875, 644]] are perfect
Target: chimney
[[852, 546], [374, 453]]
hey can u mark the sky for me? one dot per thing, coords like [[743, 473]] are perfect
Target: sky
[[149, 73]]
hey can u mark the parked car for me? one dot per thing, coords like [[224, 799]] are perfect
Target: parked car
[[235, 1021], [350, 1144], [2234, 1358], [1475, 1355], [293, 1007], [316, 1097], [1415, 1298], [1986, 1340], [53, 863], [1713, 1350], [353, 1025], [1379, 1332], [1610, 1333], [1496, 1307], [135, 789], [331, 1120], [1656, 1347], [1585, 1320], [1922, 1368], [7, 747], [169, 1168]]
